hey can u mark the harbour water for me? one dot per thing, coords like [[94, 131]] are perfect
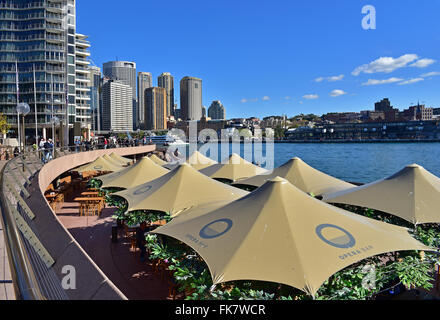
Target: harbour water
[[363, 162]]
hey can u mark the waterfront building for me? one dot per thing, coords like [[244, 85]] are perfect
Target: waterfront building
[[191, 99], [41, 36], [117, 106], [156, 108], [342, 117], [166, 81], [124, 72], [371, 131], [144, 81], [217, 111], [95, 77], [418, 113], [83, 82]]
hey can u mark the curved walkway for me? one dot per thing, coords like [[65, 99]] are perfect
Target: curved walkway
[[6, 286], [119, 263]]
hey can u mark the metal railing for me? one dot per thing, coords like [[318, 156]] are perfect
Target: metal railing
[[30, 263]]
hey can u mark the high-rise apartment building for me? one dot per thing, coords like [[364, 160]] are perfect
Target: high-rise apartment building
[[144, 81], [217, 111], [117, 106], [166, 80], [124, 72], [191, 99], [83, 111], [41, 36], [156, 108]]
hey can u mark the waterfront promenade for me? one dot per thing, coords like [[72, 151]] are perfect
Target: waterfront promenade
[[6, 286]]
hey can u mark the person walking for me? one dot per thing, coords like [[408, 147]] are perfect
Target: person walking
[[42, 153]]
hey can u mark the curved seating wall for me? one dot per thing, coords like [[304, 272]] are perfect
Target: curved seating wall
[[91, 282]]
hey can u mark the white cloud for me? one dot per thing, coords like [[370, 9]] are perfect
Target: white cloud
[[373, 82], [430, 74], [287, 98], [337, 93], [422, 63], [244, 100], [265, 98], [311, 96], [410, 81], [336, 78], [330, 79], [385, 64]]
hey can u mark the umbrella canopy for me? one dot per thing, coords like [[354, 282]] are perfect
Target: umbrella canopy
[[120, 159], [197, 160], [412, 194], [234, 169], [111, 160], [143, 171], [157, 160], [280, 234], [301, 175], [100, 164], [179, 190]]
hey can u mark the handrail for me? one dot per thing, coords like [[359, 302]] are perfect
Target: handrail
[[25, 282], [24, 272]]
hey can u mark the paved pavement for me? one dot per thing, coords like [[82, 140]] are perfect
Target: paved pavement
[[119, 263], [6, 287]]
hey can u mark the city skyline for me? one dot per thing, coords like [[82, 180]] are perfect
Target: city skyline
[[297, 60]]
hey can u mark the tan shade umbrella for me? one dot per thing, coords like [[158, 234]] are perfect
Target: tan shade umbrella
[[120, 159], [111, 160], [412, 194], [301, 175], [157, 160], [234, 169], [100, 164], [280, 234], [197, 160], [143, 171], [178, 190]]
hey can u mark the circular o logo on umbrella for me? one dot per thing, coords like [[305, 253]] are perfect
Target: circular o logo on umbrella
[[142, 190], [216, 229], [97, 167], [335, 236]]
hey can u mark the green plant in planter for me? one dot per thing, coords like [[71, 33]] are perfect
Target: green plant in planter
[[94, 183]]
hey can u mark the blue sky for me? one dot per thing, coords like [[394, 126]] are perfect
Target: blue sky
[[264, 58]]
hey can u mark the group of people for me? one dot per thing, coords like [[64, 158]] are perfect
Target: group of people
[[46, 150]]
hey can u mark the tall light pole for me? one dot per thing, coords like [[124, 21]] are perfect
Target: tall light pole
[[18, 101], [24, 109], [36, 112], [53, 123]]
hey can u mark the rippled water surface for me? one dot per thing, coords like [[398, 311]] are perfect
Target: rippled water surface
[[363, 162]]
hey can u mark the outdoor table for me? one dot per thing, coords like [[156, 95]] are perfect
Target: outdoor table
[[90, 194], [89, 203]]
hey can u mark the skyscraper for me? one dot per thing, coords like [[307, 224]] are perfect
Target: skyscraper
[[155, 108], [41, 36], [145, 81], [95, 78], [217, 111], [82, 99], [191, 99], [124, 72], [117, 106], [166, 80]]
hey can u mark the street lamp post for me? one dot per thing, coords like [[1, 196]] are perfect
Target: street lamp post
[[23, 108]]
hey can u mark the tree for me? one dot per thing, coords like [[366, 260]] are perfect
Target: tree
[[4, 125]]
